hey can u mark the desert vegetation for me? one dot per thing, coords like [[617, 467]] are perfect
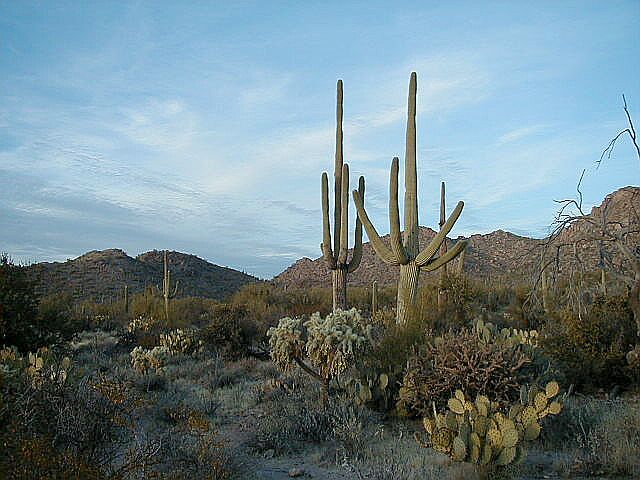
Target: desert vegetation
[[453, 377]]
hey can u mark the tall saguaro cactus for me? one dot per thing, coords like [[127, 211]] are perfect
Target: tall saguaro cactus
[[166, 292], [336, 258], [406, 252]]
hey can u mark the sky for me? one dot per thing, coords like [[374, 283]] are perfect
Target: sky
[[204, 127]]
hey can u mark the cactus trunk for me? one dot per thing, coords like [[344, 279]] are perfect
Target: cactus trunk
[[126, 299], [407, 291], [340, 289]]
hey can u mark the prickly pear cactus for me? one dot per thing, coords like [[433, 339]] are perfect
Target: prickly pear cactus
[[488, 332], [479, 433]]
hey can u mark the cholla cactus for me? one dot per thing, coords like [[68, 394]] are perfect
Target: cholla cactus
[[181, 341], [331, 344], [141, 324], [478, 433], [144, 361]]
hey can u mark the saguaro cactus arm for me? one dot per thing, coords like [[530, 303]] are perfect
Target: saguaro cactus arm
[[431, 249], [344, 217], [325, 246], [436, 263], [357, 246], [394, 214], [378, 245]]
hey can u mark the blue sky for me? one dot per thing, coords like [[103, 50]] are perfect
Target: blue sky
[[204, 127]]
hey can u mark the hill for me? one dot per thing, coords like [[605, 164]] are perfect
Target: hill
[[101, 275]]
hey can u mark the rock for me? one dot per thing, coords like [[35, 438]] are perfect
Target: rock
[[269, 453]]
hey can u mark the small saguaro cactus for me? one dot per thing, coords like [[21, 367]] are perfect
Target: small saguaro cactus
[[336, 258], [166, 292], [126, 299], [407, 253]]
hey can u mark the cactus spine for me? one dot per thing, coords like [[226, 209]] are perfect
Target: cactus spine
[[336, 258], [406, 252], [166, 292]]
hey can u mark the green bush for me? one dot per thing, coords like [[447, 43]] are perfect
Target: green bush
[[230, 331], [590, 350]]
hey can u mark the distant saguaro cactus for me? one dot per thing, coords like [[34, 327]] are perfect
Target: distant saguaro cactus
[[166, 292], [126, 299], [336, 258], [407, 254]]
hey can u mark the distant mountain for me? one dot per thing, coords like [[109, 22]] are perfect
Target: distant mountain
[[102, 275], [494, 255]]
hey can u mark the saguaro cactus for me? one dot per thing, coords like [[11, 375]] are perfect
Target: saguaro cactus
[[442, 293], [126, 299], [407, 253], [336, 258], [166, 292]]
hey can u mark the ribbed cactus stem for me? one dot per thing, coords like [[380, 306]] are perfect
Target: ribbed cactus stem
[[603, 282], [407, 290], [337, 258], [411, 224], [166, 292], [337, 170]]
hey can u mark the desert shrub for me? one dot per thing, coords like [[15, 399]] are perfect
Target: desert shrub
[[331, 345], [462, 360], [18, 309], [57, 426], [230, 331], [590, 350], [296, 418]]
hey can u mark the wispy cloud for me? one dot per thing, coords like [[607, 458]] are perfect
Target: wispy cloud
[[520, 133]]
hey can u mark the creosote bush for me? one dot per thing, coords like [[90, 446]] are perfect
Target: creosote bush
[[590, 350]]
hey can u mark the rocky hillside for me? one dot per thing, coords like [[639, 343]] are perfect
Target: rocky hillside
[[102, 275], [494, 255]]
